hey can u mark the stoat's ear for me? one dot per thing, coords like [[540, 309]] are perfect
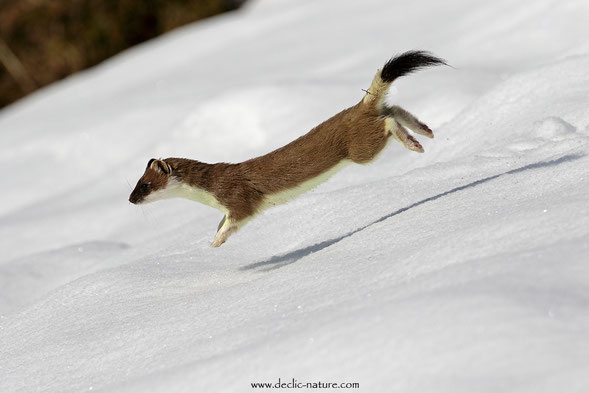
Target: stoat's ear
[[159, 166]]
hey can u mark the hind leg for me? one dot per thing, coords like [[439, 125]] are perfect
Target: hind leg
[[401, 134], [406, 119], [367, 145]]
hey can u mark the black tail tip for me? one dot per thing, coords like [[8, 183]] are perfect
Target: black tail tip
[[408, 62]]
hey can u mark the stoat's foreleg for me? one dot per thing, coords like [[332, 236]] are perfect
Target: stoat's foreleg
[[221, 223], [406, 119], [226, 228]]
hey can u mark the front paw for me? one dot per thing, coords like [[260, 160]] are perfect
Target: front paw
[[217, 243]]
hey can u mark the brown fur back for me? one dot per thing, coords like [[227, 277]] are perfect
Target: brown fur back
[[319, 150], [356, 133]]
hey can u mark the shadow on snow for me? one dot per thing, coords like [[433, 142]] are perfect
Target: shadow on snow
[[279, 261]]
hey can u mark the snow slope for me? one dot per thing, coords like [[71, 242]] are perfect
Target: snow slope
[[463, 269]]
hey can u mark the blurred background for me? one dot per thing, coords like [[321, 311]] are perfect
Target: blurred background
[[42, 41]]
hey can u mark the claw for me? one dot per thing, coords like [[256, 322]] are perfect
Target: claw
[[424, 130]]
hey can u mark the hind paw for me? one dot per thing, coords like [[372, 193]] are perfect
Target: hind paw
[[406, 119]]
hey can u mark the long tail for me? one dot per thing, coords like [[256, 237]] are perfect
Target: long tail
[[396, 67]]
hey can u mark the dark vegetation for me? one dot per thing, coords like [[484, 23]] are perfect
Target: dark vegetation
[[42, 41]]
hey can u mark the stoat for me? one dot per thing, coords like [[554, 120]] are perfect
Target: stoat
[[242, 190]]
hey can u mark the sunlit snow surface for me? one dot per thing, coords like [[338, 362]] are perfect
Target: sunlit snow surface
[[464, 269]]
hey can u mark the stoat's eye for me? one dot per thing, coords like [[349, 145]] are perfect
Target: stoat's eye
[[144, 187]]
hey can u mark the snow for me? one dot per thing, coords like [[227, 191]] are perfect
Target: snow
[[462, 269]]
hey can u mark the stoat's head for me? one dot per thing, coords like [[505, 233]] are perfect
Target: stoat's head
[[153, 183]]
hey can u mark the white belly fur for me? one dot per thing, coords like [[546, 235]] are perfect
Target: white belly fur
[[286, 195], [176, 189]]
